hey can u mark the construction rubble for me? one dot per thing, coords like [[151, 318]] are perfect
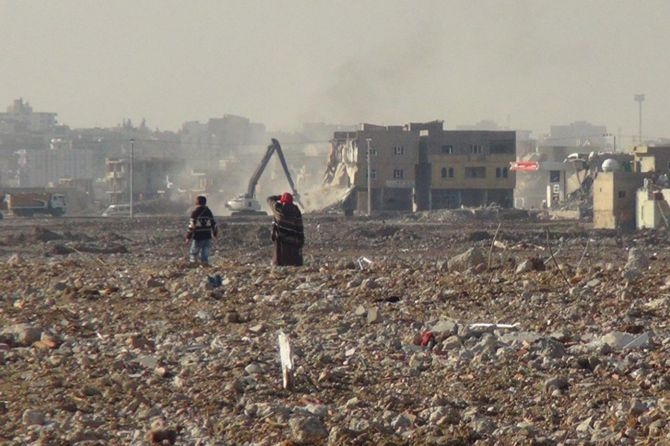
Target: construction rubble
[[444, 328]]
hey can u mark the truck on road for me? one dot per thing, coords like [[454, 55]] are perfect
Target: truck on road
[[27, 204]]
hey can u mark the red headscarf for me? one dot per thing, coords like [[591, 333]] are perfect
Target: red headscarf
[[286, 198]]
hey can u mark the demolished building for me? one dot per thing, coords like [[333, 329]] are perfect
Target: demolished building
[[421, 166]]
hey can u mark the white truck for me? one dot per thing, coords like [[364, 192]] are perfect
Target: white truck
[[27, 204]]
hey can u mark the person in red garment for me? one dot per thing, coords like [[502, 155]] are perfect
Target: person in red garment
[[287, 230]]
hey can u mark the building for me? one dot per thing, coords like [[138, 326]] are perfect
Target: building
[[150, 178], [387, 155], [577, 134], [652, 210], [219, 138], [614, 198], [634, 198], [49, 166], [20, 117], [652, 159], [471, 168], [421, 166]]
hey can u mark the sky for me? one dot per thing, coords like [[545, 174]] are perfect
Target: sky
[[526, 64]]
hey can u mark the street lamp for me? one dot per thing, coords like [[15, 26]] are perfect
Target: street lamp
[[639, 98], [132, 161], [367, 140]]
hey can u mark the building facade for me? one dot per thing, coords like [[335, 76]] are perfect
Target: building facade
[[421, 166], [471, 168], [21, 117], [150, 178], [614, 197]]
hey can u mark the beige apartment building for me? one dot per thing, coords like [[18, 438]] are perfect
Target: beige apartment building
[[471, 168], [421, 166]]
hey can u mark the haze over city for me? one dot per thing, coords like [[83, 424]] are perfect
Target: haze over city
[[523, 64]]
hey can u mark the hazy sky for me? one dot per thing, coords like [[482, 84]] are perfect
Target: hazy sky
[[526, 63]]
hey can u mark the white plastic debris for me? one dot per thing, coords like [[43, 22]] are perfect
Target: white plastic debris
[[286, 359], [485, 325], [363, 262]]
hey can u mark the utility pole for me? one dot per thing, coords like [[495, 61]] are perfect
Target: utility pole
[[639, 98], [613, 140], [367, 140], [132, 162]]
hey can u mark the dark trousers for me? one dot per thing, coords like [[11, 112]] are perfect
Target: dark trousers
[[287, 255]]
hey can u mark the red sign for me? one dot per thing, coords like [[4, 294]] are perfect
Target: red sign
[[524, 166]]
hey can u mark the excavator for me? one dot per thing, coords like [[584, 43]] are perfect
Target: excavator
[[247, 203]]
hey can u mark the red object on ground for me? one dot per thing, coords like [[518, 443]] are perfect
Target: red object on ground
[[426, 337]]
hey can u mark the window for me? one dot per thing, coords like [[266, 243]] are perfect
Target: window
[[399, 150], [373, 174], [498, 147], [501, 172], [447, 172], [447, 149], [475, 172], [476, 148], [622, 194], [398, 174]]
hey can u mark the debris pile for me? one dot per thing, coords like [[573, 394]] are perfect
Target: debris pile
[[433, 336]]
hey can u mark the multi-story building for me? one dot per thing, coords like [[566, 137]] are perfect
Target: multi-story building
[[218, 139], [421, 166], [577, 134], [471, 168], [386, 155], [48, 167], [20, 117], [149, 177]]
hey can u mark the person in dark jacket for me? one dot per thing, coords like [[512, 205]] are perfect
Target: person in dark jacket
[[287, 230], [201, 229]]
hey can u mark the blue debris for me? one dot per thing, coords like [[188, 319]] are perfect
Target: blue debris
[[215, 281]]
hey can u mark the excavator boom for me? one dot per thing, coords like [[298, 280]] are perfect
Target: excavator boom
[[247, 203]]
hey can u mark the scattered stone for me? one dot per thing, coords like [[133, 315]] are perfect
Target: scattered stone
[[308, 430], [469, 259], [103, 346]]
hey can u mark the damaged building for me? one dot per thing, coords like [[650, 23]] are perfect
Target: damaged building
[[421, 166]]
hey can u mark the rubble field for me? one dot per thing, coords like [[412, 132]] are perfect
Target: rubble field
[[442, 328]]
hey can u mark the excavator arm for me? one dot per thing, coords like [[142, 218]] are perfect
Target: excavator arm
[[280, 154], [247, 203], [253, 181]]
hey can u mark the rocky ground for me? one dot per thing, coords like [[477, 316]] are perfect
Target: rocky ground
[[446, 328]]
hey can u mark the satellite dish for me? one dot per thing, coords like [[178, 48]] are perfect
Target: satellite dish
[[611, 165]]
